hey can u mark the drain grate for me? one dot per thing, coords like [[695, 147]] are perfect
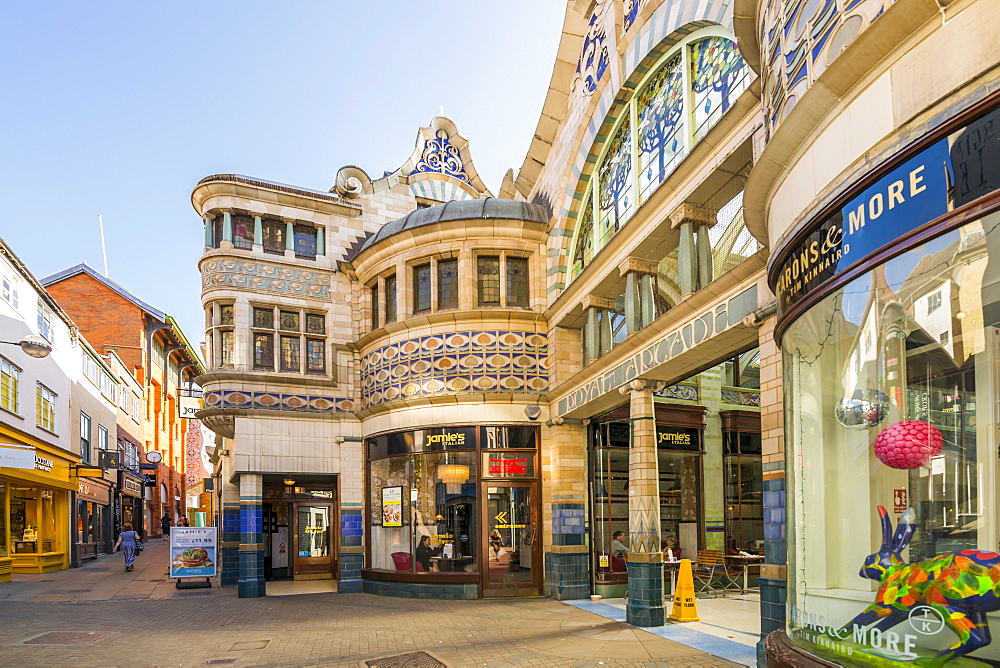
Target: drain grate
[[216, 662], [65, 638], [411, 660]]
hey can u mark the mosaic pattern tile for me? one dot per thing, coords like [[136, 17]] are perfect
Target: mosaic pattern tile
[[682, 392], [456, 363], [273, 401], [264, 277], [740, 397]]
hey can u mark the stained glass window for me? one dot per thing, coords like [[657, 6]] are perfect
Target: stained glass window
[[263, 351], [422, 288], [374, 289], [517, 281], [447, 271], [289, 320], [290, 347], [718, 76], [583, 248], [488, 271], [390, 298], [315, 357], [274, 232], [615, 183], [315, 324], [242, 231], [226, 314], [263, 317], [662, 141]]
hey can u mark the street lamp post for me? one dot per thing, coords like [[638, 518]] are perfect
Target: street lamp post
[[32, 345]]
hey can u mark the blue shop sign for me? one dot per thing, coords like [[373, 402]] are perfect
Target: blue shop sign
[[947, 174]]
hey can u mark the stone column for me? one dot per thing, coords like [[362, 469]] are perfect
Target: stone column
[[209, 232], [597, 336], [320, 240], [638, 275], [690, 256], [230, 538], [564, 510], [289, 238], [251, 581], [258, 231], [645, 560], [227, 226], [705, 264]]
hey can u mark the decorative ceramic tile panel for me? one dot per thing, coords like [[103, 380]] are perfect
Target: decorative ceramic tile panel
[[683, 392], [263, 277], [273, 401], [738, 397], [457, 363], [798, 41]]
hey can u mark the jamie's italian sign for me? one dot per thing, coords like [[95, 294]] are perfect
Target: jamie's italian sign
[[947, 174]]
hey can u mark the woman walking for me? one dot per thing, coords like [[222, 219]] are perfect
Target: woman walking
[[128, 541]]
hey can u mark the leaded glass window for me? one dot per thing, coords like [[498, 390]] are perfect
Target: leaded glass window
[[517, 281], [290, 348], [315, 324], [226, 314], [263, 351], [488, 273], [263, 317], [289, 320], [273, 236], [447, 273], [390, 298], [375, 321], [718, 75], [242, 232], [305, 241], [315, 356], [615, 182], [422, 288], [226, 353], [660, 109]]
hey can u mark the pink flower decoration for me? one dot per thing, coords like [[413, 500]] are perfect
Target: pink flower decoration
[[909, 444]]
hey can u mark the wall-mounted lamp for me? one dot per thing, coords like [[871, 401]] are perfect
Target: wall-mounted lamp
[[289, 482], [32, 345]]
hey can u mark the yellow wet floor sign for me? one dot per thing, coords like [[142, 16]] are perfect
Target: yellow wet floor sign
[[684, 609]]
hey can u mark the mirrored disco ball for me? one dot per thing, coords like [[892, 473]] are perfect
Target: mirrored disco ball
[[864, 409]]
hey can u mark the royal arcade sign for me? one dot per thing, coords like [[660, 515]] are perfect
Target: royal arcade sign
[[715, 320], [950, 173]]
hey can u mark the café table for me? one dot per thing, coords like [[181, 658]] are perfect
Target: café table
[[745, 560], [451, 564], [672, 567]]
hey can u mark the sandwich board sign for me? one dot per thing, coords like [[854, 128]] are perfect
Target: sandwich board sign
[[193, 554]]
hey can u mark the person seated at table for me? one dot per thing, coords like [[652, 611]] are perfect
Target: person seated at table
[[618, 547], [669, 548], [424, 552]]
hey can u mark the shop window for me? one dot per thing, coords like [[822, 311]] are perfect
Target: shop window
[[422, 288], [488, 273], [743, 475], [45, 408], [10, 386], [447, 276], [32, 520], [283, 335], [879, 413], [242, 231], [390, 298], [86, 431]]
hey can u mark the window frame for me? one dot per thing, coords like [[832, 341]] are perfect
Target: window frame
[[10, 370], [304, 340], [503, 277], [46, 320], [45, 408], [86, 436]]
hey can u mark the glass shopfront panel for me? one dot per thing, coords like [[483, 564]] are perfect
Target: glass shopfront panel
[[32, 520], [891, 388]]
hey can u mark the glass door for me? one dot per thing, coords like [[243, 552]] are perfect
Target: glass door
[[313, 541], [511, 540]]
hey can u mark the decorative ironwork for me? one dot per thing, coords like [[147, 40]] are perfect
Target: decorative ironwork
[[442, 157], [594, 58]]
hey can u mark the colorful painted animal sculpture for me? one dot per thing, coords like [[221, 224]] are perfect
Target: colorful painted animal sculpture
[[961, 586]]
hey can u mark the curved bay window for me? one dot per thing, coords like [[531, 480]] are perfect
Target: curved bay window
[[679, 462], [892, 386], [424, 503]]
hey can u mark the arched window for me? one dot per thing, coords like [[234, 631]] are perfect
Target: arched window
[[674, 107]]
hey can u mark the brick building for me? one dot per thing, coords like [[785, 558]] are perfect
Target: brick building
[[155, 353]]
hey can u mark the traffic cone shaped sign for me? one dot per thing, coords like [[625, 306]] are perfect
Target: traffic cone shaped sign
[[684, 609]]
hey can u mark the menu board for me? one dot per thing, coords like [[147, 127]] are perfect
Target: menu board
[[392, 506], [192, 552]]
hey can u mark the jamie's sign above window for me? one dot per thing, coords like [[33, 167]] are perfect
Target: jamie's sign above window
[[949, 173]]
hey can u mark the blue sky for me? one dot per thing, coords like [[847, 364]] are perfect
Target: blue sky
[[120, 108]]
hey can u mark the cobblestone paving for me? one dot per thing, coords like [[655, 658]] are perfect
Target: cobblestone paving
[[197, 628]]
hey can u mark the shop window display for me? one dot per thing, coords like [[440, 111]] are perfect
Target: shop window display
[[886, 411]]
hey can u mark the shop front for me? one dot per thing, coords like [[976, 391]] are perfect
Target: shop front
[[93, 519], [130, 502], [454, 512], [890, 334], [35, 511], [299, 525]]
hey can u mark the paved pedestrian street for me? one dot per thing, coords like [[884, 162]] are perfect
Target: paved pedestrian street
[[100, 615]]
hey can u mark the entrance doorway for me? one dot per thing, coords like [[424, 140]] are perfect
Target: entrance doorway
[[313, 548], [511, 540], [300, 526]]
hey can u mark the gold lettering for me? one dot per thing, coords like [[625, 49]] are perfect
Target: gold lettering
[[813, 251]]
